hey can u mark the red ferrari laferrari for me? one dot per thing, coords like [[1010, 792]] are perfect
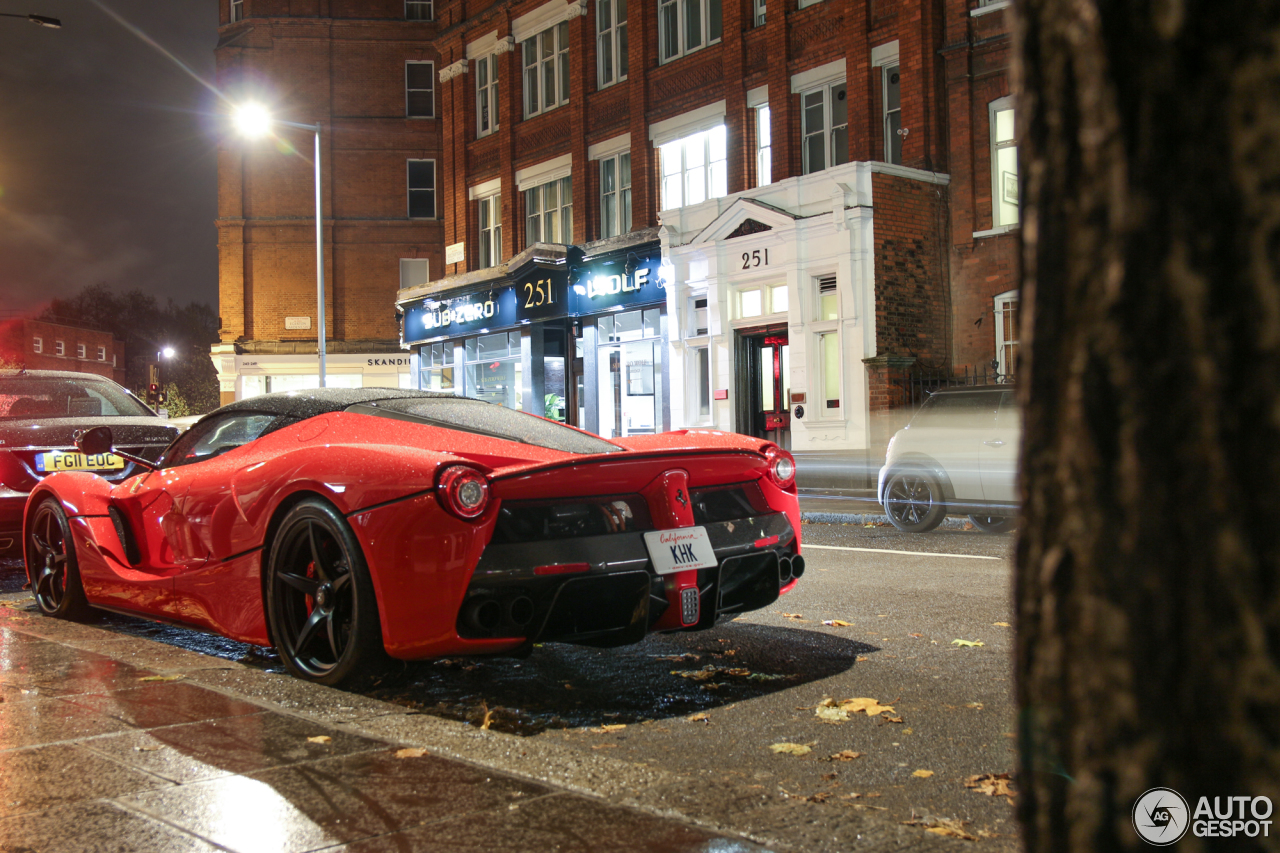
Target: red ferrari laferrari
[[346, 527]]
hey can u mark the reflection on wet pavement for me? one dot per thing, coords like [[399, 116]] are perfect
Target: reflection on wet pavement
[[99, 754]]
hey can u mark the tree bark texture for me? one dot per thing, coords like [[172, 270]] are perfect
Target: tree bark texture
[[1148, 566]]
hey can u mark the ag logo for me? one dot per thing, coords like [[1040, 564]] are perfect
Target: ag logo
[[1161, 816]]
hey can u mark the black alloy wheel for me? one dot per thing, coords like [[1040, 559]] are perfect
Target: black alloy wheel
[[51, 564], [320, 601], [992, 523], [914, 501]]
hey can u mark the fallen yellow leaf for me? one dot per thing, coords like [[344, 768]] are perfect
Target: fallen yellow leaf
[[699, 718], [319, 739], [610, 727], [792, 615], [410, 752], [837, 623], [1002, 624], [861, 659], [161, 677], [966, 644], [870, 707], [791, 748], [922, 774], [977, 706], [831, 714], [991, 784], [845, 755]]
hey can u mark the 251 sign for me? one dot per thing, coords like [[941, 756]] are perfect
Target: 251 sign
[[756, 258]]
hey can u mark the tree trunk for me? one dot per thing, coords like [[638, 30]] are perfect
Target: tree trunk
[[1148, 567]]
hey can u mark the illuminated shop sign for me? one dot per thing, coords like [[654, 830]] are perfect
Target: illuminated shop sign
[[536, 295], [628, 280], [625, 279]]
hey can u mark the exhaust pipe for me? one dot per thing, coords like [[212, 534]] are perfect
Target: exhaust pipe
[[784, 570], [483, 614], [797, 567], [519, 610]]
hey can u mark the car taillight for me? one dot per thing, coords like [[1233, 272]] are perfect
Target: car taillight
[[782, 467], [463, 491]]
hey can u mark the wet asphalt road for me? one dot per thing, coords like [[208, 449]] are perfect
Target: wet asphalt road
[[710, 705]]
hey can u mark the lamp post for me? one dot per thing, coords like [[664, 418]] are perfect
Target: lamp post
[[38, 20], [253, 121]]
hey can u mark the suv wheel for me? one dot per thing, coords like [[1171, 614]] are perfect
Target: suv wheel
[[914, 502]]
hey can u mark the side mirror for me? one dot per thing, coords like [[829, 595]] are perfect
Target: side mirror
[[95, 441]]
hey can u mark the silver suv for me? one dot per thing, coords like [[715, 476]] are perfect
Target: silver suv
[[957, 456]]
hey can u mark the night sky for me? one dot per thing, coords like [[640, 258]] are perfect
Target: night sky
[[108, 171]]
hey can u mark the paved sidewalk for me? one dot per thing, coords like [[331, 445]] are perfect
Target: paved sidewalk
[[123, 750]]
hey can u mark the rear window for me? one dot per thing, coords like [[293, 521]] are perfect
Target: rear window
[[483, 418], [28, 398], [975, 409]]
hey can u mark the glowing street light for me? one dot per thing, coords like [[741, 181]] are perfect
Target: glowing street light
[[253, 121], [167, 352]]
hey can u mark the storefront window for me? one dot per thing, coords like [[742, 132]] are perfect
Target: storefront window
[[437, 367], [494, 369], [630, 371]]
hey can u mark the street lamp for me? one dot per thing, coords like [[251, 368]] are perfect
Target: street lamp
[[254, 121], [38, 20]]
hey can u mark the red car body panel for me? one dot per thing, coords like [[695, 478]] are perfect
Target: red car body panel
[[203, 530]]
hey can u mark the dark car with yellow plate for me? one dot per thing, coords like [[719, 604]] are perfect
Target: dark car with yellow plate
[[40, 413]]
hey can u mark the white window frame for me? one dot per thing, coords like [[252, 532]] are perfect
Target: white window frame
[[102, 353], [698, 386], [59, 348], [1004, 346], [486, 74], [419, 10], [489, 246], [431, 90], [82, 351], [830, 132], [764, 145], [237, 11], [37, 344], [693, 330], [546, 75], [1001, 215], [759, 12], [682, 13], [611, 42], [684, 173], [615, 220], [410, 189], [409, 268], [891, 117], [548, 219], [820, 334]]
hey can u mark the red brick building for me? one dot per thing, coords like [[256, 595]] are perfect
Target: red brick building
[[367, 74], [37, 345], [635, 216]]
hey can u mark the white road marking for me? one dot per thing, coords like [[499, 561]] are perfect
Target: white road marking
[[806, 545]]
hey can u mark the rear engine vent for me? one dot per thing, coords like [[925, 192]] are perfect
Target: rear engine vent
[[728, 503], [540, 521]]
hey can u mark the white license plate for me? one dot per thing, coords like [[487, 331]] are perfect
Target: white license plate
[[680, 549], [58, 460]]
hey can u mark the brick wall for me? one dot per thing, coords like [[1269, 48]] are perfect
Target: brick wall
[[348, 73], [976, 71], [17, 345], [912, 297]]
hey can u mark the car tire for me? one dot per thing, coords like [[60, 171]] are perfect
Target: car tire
[[993, 523], [51, 564], [913, 501], [321, 608]]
